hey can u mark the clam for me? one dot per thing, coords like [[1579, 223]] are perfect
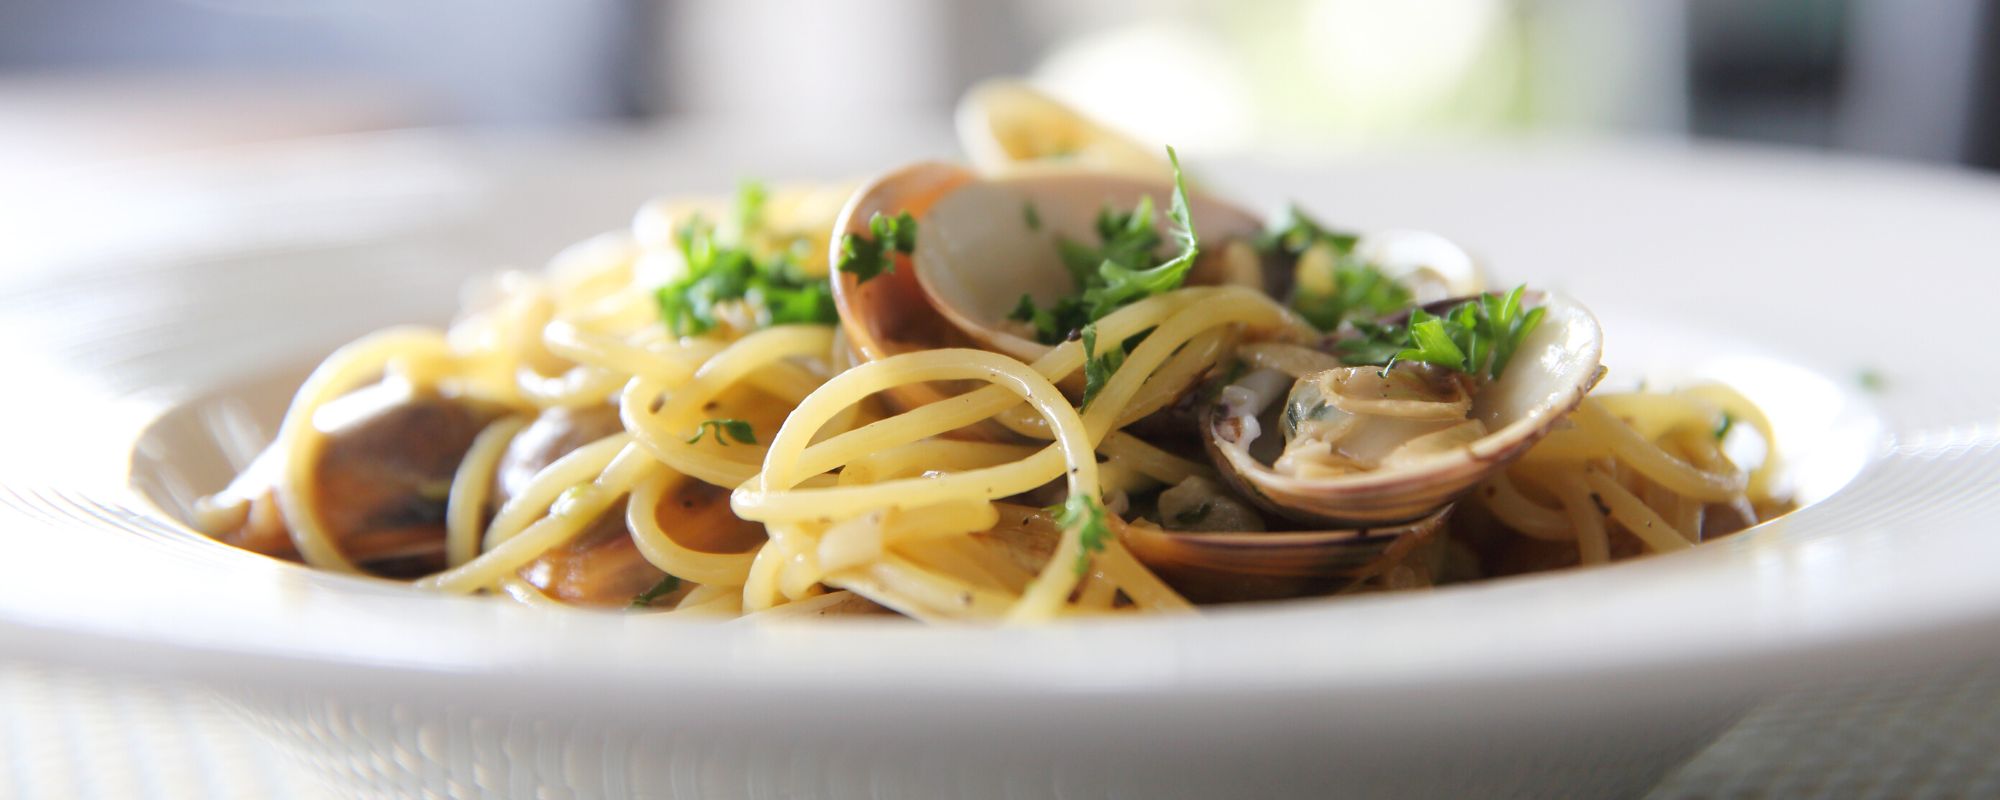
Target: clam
[[1368, 447], [1008, 127], [1432, 266], [983, 242], [1224, 566]]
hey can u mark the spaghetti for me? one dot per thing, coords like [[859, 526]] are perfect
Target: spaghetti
[[674, 420]]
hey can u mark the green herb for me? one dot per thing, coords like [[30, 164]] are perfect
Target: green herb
[[1430, 342], [1053, 324], [1359, 288], [750, 197], [1120, 269], [1722, 428], [1082, 512], [1871, 380], [721, 272], [1504, 325], [1298, 232], [666, 586], [1097, 369], [1477, 337], [868, 257], [736, 429], [1031, 216]]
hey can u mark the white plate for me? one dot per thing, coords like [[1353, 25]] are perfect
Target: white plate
[[168, 309]]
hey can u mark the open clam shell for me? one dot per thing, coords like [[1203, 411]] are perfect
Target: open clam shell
[[982, 243], [988, 242], [1229, 566], [1556, 365], [890, 314]]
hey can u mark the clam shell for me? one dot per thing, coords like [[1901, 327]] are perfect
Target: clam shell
[[890, 314], [1219, 567], [1555, 367], [976, 254]]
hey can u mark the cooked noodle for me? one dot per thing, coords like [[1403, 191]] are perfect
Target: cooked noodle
[[773, 432]]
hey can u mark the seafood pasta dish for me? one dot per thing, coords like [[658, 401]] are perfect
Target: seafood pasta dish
[[1060, 379]]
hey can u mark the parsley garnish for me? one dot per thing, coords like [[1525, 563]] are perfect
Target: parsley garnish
[[1722, 428], [750, 197], [1359, 288], [1119, 270], [868, 257], [666, 586], [1031, 216], [1477, 337], [1083, 512], [734, 428], [721, 272], [1097, 369], [1299, 231]]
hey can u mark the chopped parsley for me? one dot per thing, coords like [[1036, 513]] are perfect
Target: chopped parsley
[[1359, 288], [1120, 270], [724, 269], [1477, 337], [750, 197], [1722, 428], [1031, 216], [1097, 369], [868, 257], [667, 585], [1298, 232], [1086, 515], [725, 430]]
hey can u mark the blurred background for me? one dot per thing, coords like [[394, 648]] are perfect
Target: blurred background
[[83, 81]]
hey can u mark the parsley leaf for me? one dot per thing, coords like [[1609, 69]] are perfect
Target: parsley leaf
[[666, 586], [1722, 428], [734, 428], [1477, 337], [1298, 232], [868, 257], [1430, 342], [1503, 324], [1120, 270], [1375, 344], [1358, 288], [1097, 369], [1052, 324], [1084, 513], [1031, 215], [723, 270], [750, 197]]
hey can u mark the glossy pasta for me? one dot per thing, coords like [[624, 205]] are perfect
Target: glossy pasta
[[736, 460]]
